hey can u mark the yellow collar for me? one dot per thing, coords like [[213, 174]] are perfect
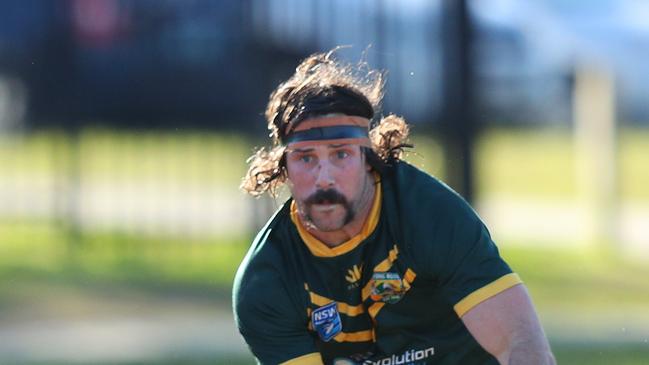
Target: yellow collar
[[320, 249]]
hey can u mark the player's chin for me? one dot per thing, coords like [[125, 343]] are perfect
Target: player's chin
[[328, 223], [328, 227]]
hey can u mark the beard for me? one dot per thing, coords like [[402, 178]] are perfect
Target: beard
[[333, 197]]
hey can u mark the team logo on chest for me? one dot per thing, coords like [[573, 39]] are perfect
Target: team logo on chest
[[387, 287], [326, 321], [354, 276]]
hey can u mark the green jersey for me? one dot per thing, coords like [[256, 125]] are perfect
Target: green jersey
[[393, 294]]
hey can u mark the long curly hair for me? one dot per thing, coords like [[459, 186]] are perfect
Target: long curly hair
[[318, 75]]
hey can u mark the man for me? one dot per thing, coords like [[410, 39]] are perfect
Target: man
[[371, 261]]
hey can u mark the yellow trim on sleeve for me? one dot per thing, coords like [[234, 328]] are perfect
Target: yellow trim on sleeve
[[308, 359], [486, 292], [318, 248]]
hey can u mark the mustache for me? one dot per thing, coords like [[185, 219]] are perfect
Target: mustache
[[330, 196]]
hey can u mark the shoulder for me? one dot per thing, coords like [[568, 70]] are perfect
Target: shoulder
[[265, 270], [269, 302], [264, 259], [263, 262], [422, 197], [432, 221]]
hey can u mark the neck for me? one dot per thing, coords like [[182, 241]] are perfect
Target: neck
[[351, 229]]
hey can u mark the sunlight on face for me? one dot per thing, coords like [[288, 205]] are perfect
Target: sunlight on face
[[326, 182]]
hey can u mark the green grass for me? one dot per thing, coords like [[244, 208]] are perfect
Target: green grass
[[33, 154], [634, 164], [543, 163], [524, 163], [565, 355], [206, 361], [569, 277], [559, 279], [540, 162], [46, 252], [529, 162], [601, 354], [198, 158], [537, 163], [580, 278]]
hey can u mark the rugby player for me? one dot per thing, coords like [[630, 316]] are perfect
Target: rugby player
[[371, 261]]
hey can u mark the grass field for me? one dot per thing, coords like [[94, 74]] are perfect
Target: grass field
[[569, 278], [569, 285], [566, 355], [519, 162], [567, 281], [543, 163]]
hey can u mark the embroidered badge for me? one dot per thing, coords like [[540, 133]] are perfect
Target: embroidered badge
[[387, 287], [326, 321]]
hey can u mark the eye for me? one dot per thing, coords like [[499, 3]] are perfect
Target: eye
[[306, 158], [342, 154]]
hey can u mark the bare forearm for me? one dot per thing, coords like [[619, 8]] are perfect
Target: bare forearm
[[507, 327], [530, 353]]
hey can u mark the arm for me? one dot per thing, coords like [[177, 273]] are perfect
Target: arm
[[271, 323], [506, 325], [273, 333], [484, 292]]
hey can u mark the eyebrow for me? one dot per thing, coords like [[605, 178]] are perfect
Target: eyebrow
[[303, 150]]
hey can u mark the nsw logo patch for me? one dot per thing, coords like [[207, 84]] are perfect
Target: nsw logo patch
[[326, 321]]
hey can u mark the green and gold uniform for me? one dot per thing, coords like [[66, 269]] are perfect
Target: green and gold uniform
[[393, 294]]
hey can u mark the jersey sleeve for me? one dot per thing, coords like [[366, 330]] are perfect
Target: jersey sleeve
[[269, 321], [474, 270], [461, 256]]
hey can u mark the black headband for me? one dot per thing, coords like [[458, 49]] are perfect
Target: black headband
[[327, 133], [331, 100]]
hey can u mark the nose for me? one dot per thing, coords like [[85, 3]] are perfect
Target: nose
[[324, 178]]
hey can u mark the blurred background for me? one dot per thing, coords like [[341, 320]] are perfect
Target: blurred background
[[125, 126]]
